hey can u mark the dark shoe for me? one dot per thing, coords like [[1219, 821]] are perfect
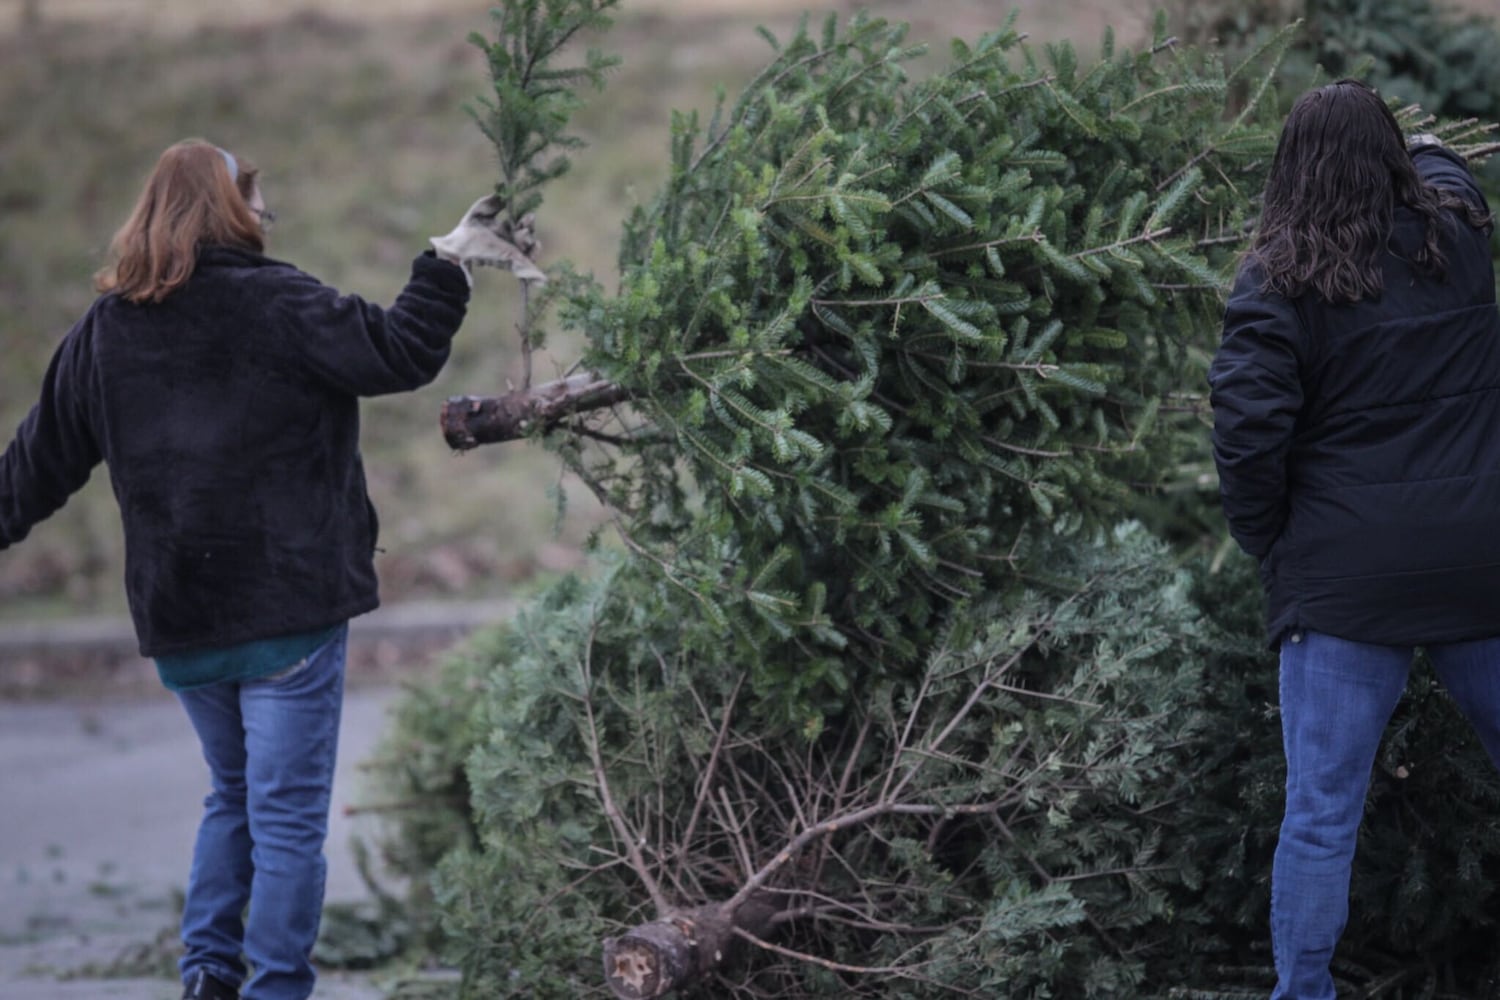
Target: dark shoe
[[201, 986]]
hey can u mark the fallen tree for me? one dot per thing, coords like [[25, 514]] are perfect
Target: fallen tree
[[999, 819]]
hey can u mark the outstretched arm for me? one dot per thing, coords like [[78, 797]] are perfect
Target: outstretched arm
[[367, 350], [54, 450]]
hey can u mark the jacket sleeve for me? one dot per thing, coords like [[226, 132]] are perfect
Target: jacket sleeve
[[365, 350], [54, 450], [1256, 394], [1442, 167]]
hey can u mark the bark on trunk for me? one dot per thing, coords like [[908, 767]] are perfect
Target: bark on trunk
[[679, 949], [470, 421]]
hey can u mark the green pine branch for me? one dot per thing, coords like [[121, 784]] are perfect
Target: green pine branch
[[534, 99]]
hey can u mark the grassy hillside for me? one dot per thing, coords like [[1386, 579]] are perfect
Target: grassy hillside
[[354, 113]]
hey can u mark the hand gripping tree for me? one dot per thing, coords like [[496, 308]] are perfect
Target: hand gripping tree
[[883, 695]]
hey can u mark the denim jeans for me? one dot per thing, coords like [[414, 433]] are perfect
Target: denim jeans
[[270, 745], [1336, 698]]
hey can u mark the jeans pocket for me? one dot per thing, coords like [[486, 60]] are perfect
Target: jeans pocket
[[286, 674]]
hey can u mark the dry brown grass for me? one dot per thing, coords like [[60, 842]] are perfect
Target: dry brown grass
[[1081, 20]]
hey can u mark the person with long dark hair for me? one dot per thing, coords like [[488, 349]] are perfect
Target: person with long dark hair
[[222, 389], [1356, 402]]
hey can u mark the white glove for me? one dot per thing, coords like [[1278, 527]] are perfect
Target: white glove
[[484, 236]]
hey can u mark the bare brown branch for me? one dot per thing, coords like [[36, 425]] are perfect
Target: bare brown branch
[[470, 421], [606, 797]]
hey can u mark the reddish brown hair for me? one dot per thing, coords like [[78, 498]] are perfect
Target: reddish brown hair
[[190, 201]]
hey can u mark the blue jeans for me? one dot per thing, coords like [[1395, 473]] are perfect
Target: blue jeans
[[270, 745], [1336, 698]]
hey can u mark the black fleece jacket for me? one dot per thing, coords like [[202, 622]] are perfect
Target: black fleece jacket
[[228, 415], [1358, 446]]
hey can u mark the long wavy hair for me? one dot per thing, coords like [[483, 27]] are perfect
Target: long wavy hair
[[190, 201], [1341, 169]]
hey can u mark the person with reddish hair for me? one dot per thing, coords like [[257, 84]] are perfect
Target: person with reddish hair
[[1356, 396], [221, 388]]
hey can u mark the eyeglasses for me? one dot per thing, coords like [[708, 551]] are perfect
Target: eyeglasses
[[266, 216]]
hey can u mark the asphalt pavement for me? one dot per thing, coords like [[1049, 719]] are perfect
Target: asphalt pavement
[[99, 803]]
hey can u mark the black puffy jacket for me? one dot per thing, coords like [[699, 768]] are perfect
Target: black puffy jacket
[[228, 414], [1358, 446]]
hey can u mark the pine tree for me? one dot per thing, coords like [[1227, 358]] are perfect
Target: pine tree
[[1421, 52], [877, 334]]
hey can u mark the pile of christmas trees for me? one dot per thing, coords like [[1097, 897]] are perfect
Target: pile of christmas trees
[[888, 691]]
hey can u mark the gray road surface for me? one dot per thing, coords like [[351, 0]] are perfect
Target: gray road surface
[[100, 802]]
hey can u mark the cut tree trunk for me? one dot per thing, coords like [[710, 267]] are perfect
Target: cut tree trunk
[[680, 949], [470, 421]]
